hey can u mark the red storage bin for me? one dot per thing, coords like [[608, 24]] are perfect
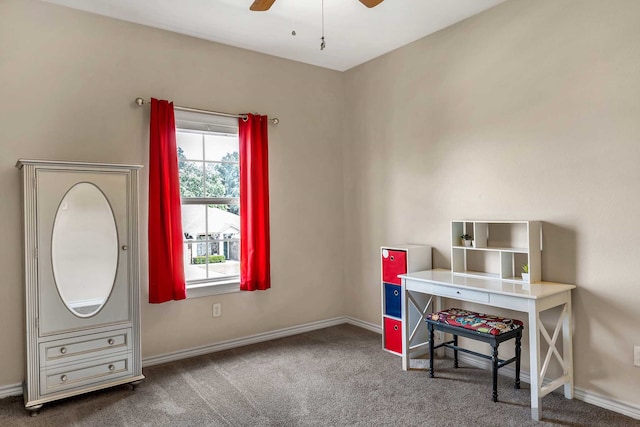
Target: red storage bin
[[393, 335], [394, 263]]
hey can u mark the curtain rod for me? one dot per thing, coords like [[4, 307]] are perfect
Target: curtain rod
[[139, 101]]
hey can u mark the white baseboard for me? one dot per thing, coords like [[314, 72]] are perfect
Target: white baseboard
[[364, 325], [251, 339], [10, 390], [596, 399], [590, 397]]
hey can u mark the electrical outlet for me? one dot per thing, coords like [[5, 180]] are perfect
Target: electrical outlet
[[636, 355], [217, 310]]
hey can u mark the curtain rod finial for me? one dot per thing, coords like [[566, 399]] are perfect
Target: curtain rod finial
[[139, 101]]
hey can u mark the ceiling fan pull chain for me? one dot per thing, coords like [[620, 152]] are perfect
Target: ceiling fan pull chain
[[293, 20], [322, 43]]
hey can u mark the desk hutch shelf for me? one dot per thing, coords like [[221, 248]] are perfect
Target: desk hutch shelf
[[498, 250]]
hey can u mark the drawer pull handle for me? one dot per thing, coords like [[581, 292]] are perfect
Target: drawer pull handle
[[111, 341], [63, 378], [395, 327], [391, 257], [458, 292], [63, 350], [112, 367], [125, 247], [396, 293]]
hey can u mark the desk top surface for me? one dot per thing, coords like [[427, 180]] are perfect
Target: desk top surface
[[495, 286]]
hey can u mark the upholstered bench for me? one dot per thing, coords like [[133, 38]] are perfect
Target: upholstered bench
[[482, 327]]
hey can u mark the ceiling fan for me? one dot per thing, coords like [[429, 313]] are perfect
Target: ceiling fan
[[263, 5]]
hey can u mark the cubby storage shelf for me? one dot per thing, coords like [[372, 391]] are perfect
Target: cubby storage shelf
[[395, 260], [499, 249]]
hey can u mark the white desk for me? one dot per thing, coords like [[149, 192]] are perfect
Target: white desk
[[531, 299]]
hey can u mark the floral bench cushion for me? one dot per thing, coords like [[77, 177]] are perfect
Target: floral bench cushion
[[479, 322]]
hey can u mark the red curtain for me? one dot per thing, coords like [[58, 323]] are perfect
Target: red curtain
[[166, 268], [255, 270]]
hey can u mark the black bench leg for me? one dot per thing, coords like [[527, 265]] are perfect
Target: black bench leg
[[455, 352], [518, 351], [494, 359], [431, 351]]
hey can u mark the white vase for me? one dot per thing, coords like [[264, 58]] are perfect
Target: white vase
[[467, 242], [525, 277]]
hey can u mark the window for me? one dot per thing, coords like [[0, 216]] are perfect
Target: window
[[210, 194]]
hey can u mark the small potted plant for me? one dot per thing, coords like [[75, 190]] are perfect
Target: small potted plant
[[525, 273], [466, 240]]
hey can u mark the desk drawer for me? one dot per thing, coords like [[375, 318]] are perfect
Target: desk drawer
[[92, 372], [76, 348], [462, 294]]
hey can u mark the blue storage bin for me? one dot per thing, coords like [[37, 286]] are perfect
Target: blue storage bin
[[392, 300]]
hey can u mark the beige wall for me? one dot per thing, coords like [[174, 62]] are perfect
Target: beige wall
[[530, 110], [68, 81]]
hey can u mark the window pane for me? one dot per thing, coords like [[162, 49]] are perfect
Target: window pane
[[223, 180], [213, 241], [193, 271], [189, 145], [217, 147], [227, 268], [194, 225], [214, 186], [224, 221], [191, 179]]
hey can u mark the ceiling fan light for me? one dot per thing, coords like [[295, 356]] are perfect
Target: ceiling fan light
[[261, 5], [371, 3], [264, 5]]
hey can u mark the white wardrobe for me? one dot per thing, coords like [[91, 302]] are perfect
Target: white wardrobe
[[81, 278]]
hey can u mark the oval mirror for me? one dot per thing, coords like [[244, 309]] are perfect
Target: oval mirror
[[84, 249]]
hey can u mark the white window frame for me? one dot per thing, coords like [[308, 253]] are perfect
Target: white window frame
[[208, 124]]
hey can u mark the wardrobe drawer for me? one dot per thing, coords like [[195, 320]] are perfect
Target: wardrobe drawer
[[92, 372], [76, 348]]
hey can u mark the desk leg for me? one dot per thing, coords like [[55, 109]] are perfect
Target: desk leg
[[406, 328], [534, 362], [415, 308], [567, 349], [437, 306]]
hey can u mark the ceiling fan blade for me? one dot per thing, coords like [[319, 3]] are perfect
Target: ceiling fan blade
[[371, 3], [261, 5]]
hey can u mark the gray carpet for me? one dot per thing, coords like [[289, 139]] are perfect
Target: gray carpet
[[337, 376]]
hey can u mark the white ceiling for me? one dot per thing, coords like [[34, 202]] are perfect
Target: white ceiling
[[354, 33]]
